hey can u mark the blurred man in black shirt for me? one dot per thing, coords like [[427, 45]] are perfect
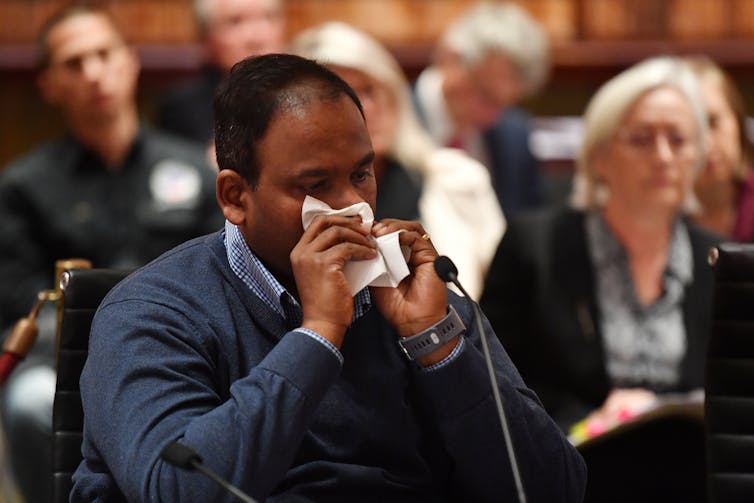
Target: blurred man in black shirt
[[110, 190]]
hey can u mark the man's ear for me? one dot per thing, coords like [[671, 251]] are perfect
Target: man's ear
[[134, 64], [232, 195]]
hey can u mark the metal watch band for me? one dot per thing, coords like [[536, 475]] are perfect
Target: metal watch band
[[428, 340]]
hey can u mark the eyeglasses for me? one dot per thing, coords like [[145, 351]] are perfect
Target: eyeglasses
[[646, 140]]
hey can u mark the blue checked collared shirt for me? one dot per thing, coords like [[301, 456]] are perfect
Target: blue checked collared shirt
[[258, 278]]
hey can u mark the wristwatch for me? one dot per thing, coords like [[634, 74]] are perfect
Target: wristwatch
[[428, 340]]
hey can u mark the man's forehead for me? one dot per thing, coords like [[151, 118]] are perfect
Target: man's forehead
[[81, 34], [217, 9], [299, 97], [330, 128]]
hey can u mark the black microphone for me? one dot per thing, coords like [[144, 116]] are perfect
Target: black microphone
[[447, 271], [185, 457]]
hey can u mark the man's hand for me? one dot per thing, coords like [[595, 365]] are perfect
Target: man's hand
[[420, 300], [317, 261]]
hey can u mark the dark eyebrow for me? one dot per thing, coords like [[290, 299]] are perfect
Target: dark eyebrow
[[313, 173], [367, 159], [318, 172]]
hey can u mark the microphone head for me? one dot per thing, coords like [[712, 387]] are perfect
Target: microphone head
[[446, 269], [180, 455]]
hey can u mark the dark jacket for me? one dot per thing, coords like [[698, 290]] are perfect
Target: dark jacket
[[186, 108], [516, 174], [540, 299]]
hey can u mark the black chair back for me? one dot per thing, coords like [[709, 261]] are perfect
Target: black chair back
[[83, 290], [729, 386]]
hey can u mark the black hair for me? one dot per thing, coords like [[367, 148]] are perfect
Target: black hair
[[256, 89], [69, 10]]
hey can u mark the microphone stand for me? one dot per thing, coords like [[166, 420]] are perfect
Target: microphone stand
[[183, 456], [447, 271]]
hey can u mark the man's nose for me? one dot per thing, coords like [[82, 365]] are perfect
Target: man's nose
[[92, 67], [345, 197]]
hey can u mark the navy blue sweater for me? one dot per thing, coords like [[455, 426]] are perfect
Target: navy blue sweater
[[183, 350]]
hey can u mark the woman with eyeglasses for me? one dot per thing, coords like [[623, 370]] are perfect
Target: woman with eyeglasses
[[604, 306]]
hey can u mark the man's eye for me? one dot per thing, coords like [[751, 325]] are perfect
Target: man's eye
[[315, 186], [104, 54], [73, 64], [362, 176]]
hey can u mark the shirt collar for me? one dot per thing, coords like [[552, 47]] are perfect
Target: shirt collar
[[249, 269], [606, 249], [88, 160]]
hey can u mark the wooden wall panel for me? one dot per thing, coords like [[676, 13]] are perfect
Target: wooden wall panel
[[623, 19], [605, 19], [409, 22], [20, 19], [392, 21], [742, 22], [710, 19], [143, 21], [156, 21], [560, 17]]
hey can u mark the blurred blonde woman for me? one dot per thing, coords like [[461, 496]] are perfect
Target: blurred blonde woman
[[446, 190], [725, 188], [604, 306]]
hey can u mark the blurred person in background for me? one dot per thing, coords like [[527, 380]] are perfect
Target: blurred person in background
[[230, 30], [605, 307], [725, 187], [486, 62], [111, 190], [446, 190]]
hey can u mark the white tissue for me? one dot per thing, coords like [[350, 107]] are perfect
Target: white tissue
[[388, 268]]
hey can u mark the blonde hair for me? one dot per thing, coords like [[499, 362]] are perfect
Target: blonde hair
[[507, 28], [607, 110], [705, 68], [336, 43]]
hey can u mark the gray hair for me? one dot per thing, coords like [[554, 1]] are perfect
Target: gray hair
[[202, 14], [608, 107], [507, 28], [336, 43]]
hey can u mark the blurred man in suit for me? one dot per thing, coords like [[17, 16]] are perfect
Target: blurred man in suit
[[487, 61], [230, 31]]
